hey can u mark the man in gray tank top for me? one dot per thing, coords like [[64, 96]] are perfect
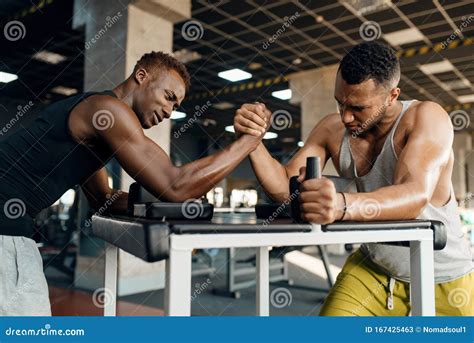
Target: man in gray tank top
[[399, 154]]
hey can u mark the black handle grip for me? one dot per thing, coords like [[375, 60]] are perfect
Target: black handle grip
[[313, 168]]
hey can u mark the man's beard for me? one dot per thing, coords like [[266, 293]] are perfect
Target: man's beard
[[370, 123]]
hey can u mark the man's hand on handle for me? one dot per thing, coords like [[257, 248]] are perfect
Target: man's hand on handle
[[319, 201]]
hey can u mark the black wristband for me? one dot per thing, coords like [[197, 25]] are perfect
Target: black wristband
[[345, 206]]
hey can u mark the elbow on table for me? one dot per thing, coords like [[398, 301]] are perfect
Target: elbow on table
[[420, 204]]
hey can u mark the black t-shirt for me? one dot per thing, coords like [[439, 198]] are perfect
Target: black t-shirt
[[40, 162]]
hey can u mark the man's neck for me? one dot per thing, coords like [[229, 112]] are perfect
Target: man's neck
[[124, 91], [385, 125]]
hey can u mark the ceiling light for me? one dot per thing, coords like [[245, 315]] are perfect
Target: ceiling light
[[49, 57], [234, 75], [224, 105], [7, 77], [67, 91], [301, 144], [297, 61], [369, 7], [464, 99], [186, 56], [284, 94], [458, 84], [404, 36], [175, 115], [268, 135], [255, 66], [436, 67]]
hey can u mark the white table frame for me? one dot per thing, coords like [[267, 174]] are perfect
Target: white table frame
[[178, 265]]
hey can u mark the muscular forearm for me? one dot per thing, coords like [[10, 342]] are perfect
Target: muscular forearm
[[397, 202], [114, 200], [118, 200], [196, 178], [270, 173]]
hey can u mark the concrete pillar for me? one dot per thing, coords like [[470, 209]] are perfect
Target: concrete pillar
[[461, 147], [314, 91], [117, 34]]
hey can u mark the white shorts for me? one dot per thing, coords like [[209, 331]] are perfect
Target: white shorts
[[23, 286]]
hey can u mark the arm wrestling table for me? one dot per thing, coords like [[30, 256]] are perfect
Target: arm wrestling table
[[154, 240]]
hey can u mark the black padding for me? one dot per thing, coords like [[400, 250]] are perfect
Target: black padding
[[440, 235], [275, 211], [145, 239], [174, 211], [138, 195], [274, 227], [439, 229], [142, 203]]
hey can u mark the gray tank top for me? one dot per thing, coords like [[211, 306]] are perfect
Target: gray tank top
[[453, 261]]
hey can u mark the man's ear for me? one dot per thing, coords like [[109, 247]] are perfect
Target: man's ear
[[140, 75], [394, 94]]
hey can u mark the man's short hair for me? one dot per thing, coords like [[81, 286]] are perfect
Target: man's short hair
[[156, 60], [371, 60]]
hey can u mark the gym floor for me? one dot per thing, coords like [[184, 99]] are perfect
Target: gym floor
[[303, 302]]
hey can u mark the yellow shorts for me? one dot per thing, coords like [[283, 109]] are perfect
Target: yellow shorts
[[360, 290]]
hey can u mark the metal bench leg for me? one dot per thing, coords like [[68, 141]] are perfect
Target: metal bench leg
[[111, 256], [178, 283], [263, 282], [422, 294], [327, 265]]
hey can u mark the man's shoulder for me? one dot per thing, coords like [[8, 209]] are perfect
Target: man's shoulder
[[426, 114], [105, 102]]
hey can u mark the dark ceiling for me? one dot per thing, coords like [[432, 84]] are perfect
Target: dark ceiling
[[233, 36]]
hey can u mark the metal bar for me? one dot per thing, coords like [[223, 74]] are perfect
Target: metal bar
[[263, 282], [422, 294], [178, 283], [110, 284]]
